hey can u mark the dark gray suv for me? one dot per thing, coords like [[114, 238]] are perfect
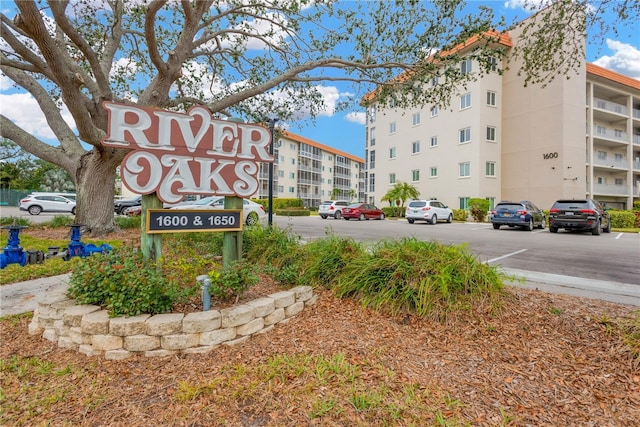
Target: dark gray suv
[[579, 214]]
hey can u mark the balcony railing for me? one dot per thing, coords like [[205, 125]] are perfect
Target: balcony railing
[[636, 139], [613, 163], [621, 190], [609, 133], [636, 114], [614, 107], [636, 164]]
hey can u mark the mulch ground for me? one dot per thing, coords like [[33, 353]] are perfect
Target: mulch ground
[[542, 360]]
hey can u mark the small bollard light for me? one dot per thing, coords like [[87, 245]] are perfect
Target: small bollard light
[[206, 296]]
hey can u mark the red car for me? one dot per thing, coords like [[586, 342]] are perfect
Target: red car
[[362, 211]]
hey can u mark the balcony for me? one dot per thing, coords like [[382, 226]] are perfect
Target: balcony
[[611, 163], [636, 164], [636, 113], [613, 107], [609, 136], [636, 139], [611, 189]]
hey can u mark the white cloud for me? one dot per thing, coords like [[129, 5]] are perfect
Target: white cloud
[[24, 111], [625, 59], [359, 118], [528, 5]]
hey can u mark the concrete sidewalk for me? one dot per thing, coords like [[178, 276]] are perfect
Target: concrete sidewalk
[[22, 297]]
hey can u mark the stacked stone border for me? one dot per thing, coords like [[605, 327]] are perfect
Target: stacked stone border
[[89, 330]]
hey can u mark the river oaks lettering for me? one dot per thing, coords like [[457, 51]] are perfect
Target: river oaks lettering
[[175, 154]]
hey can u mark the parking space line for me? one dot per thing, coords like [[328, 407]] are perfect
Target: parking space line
[[505, 256], [619, 235]]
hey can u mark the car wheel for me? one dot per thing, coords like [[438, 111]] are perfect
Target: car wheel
[[450, 218], [381, 216], [338, 215], [252, 218], [361, 217], [553, 229], [496, 226], [323, 216], [410, 221], [543, 224], [607, 229], [35, 210], [346, 219], [73, 211], [434, 219], [529, 226], [596, 230]]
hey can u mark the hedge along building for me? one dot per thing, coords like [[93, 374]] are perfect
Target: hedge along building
[[501, 140]]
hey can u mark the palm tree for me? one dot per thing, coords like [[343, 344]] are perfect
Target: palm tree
[[400, 193]]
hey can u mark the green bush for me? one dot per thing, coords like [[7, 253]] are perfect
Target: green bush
[[124, 283], [322, 261], [281, 203], [460, 215], [293, 212], [418, 277], [232, 281], [128, 222], [270, 245], [479, 209], [636, 205], [622, 219], [391, 212]]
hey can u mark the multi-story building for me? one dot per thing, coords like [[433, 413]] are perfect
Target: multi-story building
[[501, 140], [312, 171]]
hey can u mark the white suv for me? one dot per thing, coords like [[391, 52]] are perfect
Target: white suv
[[43, 202], [430, 211], [332, 208]]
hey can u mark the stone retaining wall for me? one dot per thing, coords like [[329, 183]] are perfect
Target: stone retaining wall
[[89, 330]]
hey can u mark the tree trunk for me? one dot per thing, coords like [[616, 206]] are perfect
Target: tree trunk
[[95, 180]]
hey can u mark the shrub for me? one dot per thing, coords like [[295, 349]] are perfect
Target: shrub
[[392, 212], [323, 261], [124, 283], [479, 209], [460, 215], [291, 211], [232, 281], [269, 245], [417, 276], [622, 219], [636, 205], [128, 221]]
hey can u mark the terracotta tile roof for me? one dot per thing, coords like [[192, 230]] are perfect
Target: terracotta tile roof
[[501, 38], [613, 76], [299, 138]]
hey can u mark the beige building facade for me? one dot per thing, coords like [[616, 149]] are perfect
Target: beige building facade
[[312, 171], [501, 140]]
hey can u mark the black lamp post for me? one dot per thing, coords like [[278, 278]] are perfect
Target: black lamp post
[[272, 124]]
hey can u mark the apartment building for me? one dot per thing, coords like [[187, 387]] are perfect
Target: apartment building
[[577, 137], [312, 171]]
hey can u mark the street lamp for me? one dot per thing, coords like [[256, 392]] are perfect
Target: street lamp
[[272, 124]]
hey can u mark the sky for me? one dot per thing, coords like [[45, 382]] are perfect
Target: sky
[[345, 131]]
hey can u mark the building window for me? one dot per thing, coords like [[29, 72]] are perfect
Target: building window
[[434, 111], [280, 188], [602, 155], [465, 101], [281, 174], [415, 175], [372, 182], [392, 178], [292, 175], [619, 181], [415, 119], [392, 152], [372, 159], [292, 189], [602, 180], [465, 135], [392, 127], [372, 114], [491, 98], [491, 133], [372, 138], [618, 157], [463, 203], [433, 172], [415, 147], [464, 169], [434, 141], [617, 133], [292, 146], [465, 66], [490, 169], [434, 81], [492, 64]]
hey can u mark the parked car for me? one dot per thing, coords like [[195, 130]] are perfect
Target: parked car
[[523, 214], [361, 211], [430, 211], [133, 211], [332, 208], [119, 206], [41, 202], [253, 212], [579, 214]]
